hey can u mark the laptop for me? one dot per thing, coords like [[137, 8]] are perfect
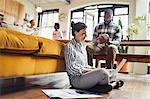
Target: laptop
[[115, 71]]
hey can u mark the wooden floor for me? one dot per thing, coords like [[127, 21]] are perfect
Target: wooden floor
[[136, 87]]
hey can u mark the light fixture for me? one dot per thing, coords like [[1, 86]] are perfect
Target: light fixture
[[38, 9]]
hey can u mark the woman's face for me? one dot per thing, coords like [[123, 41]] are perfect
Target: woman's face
[[33, 23], [81, 35]]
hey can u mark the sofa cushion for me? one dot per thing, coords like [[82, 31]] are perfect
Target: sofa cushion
[[50, 47], [16, 42], [10, 39]]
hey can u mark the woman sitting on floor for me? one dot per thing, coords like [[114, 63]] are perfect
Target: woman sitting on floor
[[80, 74]]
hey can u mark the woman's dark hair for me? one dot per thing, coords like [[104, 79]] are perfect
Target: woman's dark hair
[[76, 27], [56, 26], [31, 20]]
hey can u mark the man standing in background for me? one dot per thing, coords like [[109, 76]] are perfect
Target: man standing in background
[[106, 38]]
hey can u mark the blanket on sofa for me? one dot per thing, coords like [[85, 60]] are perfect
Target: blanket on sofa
[[18, 42]]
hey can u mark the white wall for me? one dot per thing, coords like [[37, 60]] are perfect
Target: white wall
[[64, 8], [144, 4]]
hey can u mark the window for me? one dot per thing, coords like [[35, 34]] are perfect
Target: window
[[77, 17], [119, 11], [46, 22], [89, 21], [121, 18], [88, 17], [94, 14], [101, 13]]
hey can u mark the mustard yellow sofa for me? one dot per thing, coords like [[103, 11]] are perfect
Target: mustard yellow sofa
[[22, 55]]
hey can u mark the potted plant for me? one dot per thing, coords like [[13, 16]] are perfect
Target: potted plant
[[140, 25]]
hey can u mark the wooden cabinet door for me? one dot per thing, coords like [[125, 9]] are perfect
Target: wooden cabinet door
[[21, 11], [2, 6], [14, 8], [8, 6]]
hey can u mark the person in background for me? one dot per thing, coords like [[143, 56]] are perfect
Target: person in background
[[106, 38], [31, 28], [81, 75], [2, 23], [57, 34]]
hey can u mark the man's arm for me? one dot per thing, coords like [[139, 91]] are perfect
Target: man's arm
[[117, 37]]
